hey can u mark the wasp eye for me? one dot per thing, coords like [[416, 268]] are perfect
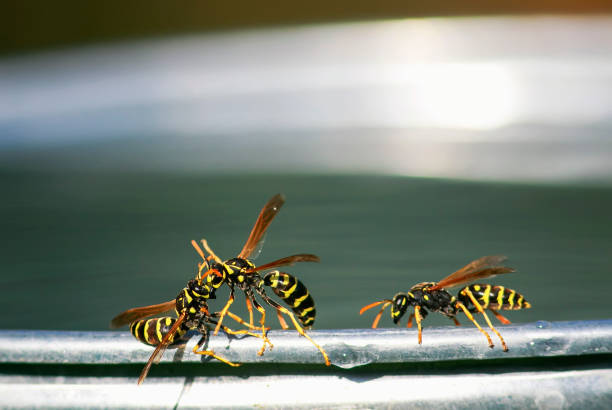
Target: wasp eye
[[400, 304]]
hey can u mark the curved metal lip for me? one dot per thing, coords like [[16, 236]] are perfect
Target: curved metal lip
[[347, 348]]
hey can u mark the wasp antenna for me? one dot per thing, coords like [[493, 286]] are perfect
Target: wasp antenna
[[371, 305], [380, 312], [198, 249], [210, 251]]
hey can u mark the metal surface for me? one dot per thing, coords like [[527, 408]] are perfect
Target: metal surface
[[588, 389], [346, 348], [549, 365]]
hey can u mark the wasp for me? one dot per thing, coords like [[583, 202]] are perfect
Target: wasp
[[240, 272], [474, 298], [192, 313]]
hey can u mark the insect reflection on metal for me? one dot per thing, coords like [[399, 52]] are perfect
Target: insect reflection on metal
[[474, 298]]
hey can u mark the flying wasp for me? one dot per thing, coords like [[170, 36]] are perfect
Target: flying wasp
[[474, 298], [192, 313], [242, 273]]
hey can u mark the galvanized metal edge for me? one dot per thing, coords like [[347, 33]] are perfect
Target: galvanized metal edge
[[346, 348]]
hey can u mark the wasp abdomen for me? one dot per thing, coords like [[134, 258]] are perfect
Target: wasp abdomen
[[294, 293], [152, 331], [494, 297]]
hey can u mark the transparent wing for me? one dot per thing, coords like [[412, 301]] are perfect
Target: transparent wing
[[258, 248], [161, 348], [288, 260], [478, 269], [266, 216], [134, 314]]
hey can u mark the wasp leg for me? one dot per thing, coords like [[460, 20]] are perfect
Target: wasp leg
[[297, 326], [242, 322], [250, 309], [239, 332], [210, 353], [469, 315], [281, 320], [481, 310], [224, 310], [454, 319], [262, 321], [500, 317], [263, 335], [238, 319], [301, 331], [243, 332], [419, 318], [409, 324]]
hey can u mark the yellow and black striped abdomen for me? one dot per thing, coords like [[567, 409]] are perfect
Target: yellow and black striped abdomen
[[294, 293], [152, 331], [494, 297]]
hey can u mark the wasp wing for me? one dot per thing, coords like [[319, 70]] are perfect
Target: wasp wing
[[267, 214], [161, 348], [134, 314], [478, 269], [289, 260]]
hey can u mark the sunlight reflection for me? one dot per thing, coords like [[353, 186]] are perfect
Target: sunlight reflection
[[480, 96], [502, 98]]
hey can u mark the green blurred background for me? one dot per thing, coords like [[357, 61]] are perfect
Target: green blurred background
[[81, 248], [81, 243]]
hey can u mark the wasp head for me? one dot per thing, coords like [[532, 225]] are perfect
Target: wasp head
[[399, 304], [213, 276], [200, 289]]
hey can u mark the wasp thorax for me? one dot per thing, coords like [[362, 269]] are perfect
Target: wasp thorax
[[240, 264]]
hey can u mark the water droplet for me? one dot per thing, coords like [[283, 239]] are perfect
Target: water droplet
[[350, 358], [543, 324]]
